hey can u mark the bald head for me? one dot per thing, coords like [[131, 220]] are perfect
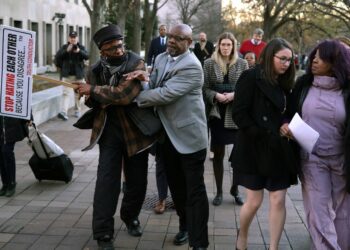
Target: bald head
[[179, 39], [183, 29]]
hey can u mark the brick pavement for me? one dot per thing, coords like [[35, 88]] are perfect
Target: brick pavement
[[54, 215]]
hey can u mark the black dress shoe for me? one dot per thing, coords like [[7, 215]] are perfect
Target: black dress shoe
[[234, 192], [105, 243], [11, 189], [134, 228], [3, 190], [238, 199], [217, 200], [181, 238]]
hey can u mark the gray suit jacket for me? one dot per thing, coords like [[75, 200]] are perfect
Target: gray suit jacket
[[177, 96]]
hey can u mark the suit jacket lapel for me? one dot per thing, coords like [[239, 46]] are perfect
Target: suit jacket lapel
[[162, 68], [161, 75]]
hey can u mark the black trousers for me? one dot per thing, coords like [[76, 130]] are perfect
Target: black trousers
[[161, 179], [107, 189], [185, 173], [7, 163]]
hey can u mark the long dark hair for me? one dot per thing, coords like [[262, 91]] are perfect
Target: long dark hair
[[336, 54], [266, 60]]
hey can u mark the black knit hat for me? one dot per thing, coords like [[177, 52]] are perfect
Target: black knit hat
[[107, 34]]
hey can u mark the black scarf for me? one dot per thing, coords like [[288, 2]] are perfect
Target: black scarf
[[113, 68]]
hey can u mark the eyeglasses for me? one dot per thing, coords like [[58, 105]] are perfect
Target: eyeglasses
[[177, 38], [284, 60], [113, 49]]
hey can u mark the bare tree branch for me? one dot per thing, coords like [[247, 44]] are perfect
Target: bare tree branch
[[87, 7]]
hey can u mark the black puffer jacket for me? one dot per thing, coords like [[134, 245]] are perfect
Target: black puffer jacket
[[12, 129], [71, 62]]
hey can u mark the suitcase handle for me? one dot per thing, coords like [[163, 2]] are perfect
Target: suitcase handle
[[41, 142]]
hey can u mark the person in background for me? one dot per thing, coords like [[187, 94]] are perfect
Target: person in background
[[12, 130], [158, 45], [221, 73], [262, 158], [203, 49], [70, 59], [120, 141], [251, 58], [321, 97], [175, 90], [255, 44]]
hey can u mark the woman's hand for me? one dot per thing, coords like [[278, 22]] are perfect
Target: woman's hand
[[229, 97], [221, 98], [285, 131]]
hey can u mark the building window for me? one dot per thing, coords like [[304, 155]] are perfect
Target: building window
[[17, 24], [35, 27], [87, 37], [80, 33], [60, 36], [70, 29], [48, 45]]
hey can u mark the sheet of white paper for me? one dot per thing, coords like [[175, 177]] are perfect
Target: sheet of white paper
[[305, 135]]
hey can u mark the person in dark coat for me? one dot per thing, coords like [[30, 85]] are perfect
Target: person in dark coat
[[203, 49], [12, 130], [322, 99], [262, 158], [158, 45], [70, 59], [121, 142]]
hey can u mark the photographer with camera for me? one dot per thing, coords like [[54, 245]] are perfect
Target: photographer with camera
[[70, 61]]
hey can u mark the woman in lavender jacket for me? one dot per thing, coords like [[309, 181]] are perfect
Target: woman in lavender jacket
[[322, 99]]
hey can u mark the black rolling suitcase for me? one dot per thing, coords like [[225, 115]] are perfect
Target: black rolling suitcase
[[58, 168]]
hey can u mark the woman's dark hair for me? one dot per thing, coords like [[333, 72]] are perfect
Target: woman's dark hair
[[266, 60], [336, 54]]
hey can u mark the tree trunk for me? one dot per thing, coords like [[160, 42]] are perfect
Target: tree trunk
[[121, 13], [136, 44], [96, 20], [149, 21]]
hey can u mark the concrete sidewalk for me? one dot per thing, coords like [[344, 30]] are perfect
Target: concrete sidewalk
[[55, 215]]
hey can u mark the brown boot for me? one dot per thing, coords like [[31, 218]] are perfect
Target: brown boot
[[160, 207]]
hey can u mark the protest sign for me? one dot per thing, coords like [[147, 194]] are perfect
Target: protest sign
[[17, 50]]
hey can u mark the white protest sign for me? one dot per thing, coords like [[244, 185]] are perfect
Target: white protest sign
[[17, 50]]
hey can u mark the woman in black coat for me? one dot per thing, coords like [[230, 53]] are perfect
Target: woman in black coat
[[261, 158], [11, 131]]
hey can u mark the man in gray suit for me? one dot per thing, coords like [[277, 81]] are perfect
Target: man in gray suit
[[175, 90]]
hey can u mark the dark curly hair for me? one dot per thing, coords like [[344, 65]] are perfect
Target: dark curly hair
[[336, 54]]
